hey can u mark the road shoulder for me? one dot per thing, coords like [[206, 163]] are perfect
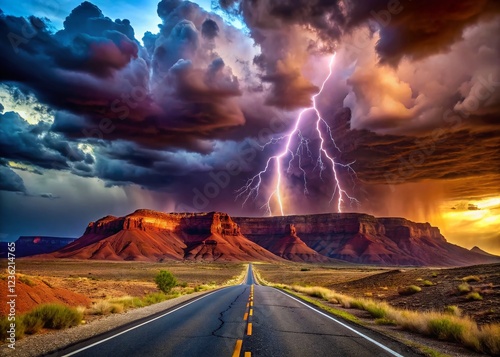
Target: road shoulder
[[53, 340]]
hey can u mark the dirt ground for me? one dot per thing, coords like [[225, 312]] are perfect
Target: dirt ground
[[384, 284], [102, 280], [97, 280]]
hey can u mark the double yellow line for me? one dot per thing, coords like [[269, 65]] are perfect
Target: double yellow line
[[248, 313]]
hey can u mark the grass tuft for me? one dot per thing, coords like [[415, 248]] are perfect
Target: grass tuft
[[53, 316], [446, 328], [470, 278], [24, 279], [464, 288], [409, 290], [447, 325], [453, 310], [427, 283], [474, 296]]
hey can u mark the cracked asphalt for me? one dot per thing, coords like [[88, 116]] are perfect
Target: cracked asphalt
[[244, 320]]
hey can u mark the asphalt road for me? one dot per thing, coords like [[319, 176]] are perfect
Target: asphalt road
[[244, 320]]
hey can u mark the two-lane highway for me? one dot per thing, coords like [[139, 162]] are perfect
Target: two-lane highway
[[243, 320]]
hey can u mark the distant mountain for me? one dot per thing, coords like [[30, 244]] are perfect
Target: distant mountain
[[154, 236], [348, 237], [478, 250], [32, 245], [361, 238]]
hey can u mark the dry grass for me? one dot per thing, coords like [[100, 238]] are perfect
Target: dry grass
[[123, 303], [52, 316], [194, 273], [409, 290], [474, 296], [317, 275], [453, 310], [24, 279], [464, 288], [470, 278], [448, 325]]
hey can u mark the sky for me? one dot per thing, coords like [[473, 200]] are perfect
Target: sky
[[389, 108]]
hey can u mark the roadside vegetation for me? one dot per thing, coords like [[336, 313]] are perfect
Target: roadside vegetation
[[448, 325], [60, 316], [169, 288], [49, 316]]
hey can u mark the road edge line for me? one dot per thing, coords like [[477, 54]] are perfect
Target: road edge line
[[385, 348], [137, 326]]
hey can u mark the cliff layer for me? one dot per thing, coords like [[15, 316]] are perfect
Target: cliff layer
[[361, 238], [352, 237], [154, 236]]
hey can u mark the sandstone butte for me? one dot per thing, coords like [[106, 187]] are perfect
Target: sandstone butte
[[147, 235]]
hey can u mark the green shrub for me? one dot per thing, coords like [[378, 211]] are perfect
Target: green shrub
[[474, 296], [376, 310], [471, 278], [434, 274], [427, 283], [446, 329], [32, 323], [165, 281], [409, 290], [4, 326], [54, 316]]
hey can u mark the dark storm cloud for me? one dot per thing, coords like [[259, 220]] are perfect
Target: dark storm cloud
[[411, 29], [407, 28], [22, 142], [447, 155], [209, 29], [419, 28], [10, 181], [168, 115], [108, 86]]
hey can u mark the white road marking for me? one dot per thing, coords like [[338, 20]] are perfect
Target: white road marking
[[387, 349], [137, 326]]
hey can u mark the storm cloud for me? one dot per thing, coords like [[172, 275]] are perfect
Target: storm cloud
[[414, 96]]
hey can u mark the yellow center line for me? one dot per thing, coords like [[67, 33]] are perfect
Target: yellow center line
[[248, 354], [251, 312], [249, 329], [247, 304], [246, 316], [251, 303], [237, 348]]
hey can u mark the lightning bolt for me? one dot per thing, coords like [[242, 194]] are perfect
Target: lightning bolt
[[252, 186]]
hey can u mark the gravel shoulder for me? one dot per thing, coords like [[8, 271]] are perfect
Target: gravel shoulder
[[53, 340]]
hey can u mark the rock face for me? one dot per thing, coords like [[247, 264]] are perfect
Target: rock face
[[154, 236], [357, 238], [478, 250], [361, 238], [291, 247]]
